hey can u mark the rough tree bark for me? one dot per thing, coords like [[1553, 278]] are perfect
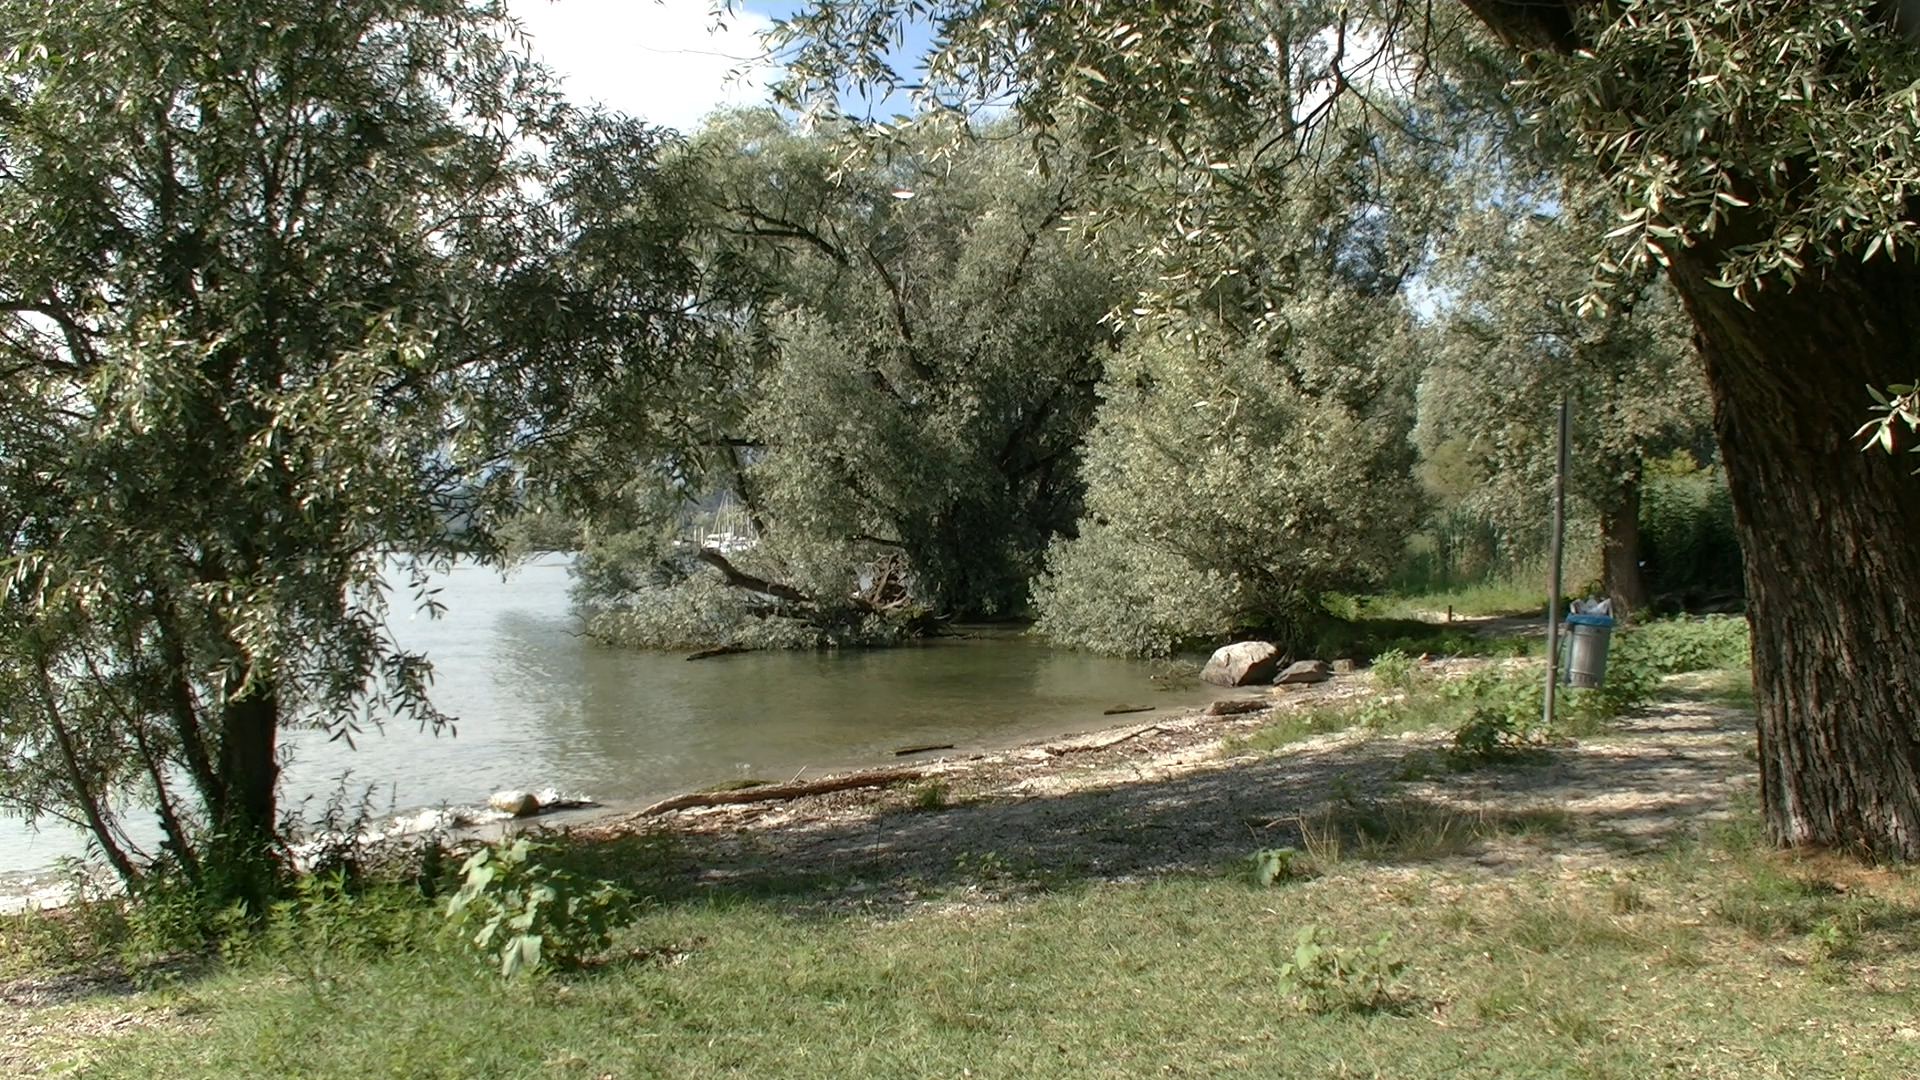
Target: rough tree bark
[[1831, 535]]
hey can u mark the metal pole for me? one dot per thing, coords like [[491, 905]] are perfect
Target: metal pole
[[1553, 557]]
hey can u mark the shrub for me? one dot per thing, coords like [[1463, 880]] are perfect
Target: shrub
[[1687, 539], [1106, 592], [1325, 976], [1673, 646], [1393, 670], [1271, 866], [930, 796], [524, 914]]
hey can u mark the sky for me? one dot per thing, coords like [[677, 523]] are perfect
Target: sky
[[662, 60], [667, 61]]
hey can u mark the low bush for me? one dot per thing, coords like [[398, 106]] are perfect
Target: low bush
[[1274, 866], [1679, 645], [1325, 976], [523, 914]]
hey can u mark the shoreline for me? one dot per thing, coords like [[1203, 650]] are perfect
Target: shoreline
[[1174, 796], [1184, 722], [52, 887]]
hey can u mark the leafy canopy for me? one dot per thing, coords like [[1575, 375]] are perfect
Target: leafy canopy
[[290, 289]]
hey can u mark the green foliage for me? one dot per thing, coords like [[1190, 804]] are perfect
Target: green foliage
[[1233, 483], [1274, 866], [1898, 405], [1694, 137], [327, 920], [923, 336], [520, 913], [1299, 724], [1490, 734], [289, 287], [930, 796], [702, 611], [1497, 714], [39, 940], [168, 915], [1687, 534], [1674, 646], [1394, 670], [1107, 592], [1326, 976], [1511, 343]]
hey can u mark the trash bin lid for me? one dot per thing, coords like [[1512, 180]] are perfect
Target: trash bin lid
[[1581, 619]]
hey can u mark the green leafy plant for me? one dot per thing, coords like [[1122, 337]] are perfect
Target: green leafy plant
[[1272, 866], [1488, 735], [930, 796], [1499, 716], [1673, 646], [525, 914], [1325, 976], [1394, 670]]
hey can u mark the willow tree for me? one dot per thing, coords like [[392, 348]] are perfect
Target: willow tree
[[1238, 475], [1760, 151], [290, 288], [926, 334], [1513, 340]]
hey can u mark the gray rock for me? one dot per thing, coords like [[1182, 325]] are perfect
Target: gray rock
[[1306, 671], [1343, 667], [1242, 663], [517, 803]]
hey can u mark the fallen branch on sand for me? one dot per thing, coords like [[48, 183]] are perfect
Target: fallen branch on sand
[[1100, 744], [781, 792], [1237, 706]]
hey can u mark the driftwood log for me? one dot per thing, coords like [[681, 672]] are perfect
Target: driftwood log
[[717, 650], [782, 792], [1056, 749]]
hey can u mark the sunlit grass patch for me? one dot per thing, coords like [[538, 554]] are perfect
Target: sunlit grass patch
[[1729, 687], [1487, 598], [1408, 829], [1535, 975]]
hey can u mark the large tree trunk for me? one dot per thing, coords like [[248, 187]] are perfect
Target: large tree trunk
[[1620, 551], [1832, 542], [245, 831], [1831, 535]]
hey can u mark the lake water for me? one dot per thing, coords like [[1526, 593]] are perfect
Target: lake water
[[541, 706]]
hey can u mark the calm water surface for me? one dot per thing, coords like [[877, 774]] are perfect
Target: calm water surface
[[541, 706]]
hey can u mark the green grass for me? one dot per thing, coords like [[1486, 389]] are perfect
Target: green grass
[[1363, 634], [1293, 726], [1497, 597], [1532, 975], [1730, 687]]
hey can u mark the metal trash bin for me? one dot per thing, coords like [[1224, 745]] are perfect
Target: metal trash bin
[[1583, 652]]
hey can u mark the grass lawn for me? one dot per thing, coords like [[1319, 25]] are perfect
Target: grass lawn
[[1708, 961]]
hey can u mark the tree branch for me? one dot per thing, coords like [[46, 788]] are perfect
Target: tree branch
[[739, 579]]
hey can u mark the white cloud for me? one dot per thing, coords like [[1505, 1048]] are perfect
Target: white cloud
[[662, 60]]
